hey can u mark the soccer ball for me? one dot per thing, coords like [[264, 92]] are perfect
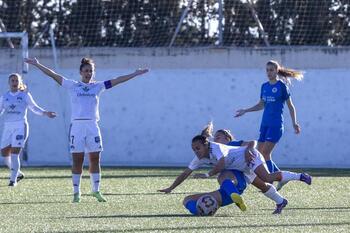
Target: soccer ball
[[206, 205]]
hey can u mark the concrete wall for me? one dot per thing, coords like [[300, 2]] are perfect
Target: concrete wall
[[149, 121]]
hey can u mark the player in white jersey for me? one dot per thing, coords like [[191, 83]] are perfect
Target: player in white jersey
[[221, 157], [14, 105], [85, 134]]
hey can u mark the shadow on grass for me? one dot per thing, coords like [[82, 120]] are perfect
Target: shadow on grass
[[346, 208], [223, 228], [87, 177], [34, 203]]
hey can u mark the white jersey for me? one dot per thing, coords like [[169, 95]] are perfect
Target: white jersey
[[14, 106], [84, 99], [234, 157], [217, 151]]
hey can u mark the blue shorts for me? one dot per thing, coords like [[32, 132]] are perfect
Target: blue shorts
[[270, 133], [241, 186]]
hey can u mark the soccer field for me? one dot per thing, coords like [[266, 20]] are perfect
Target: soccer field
[[42, 203]]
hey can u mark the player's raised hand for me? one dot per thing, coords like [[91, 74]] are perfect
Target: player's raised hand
[[50, 114], [297, 128], [31, 61], [167, 190], [240, 112], [141, 71]]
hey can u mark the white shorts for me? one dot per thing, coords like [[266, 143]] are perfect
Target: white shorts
[[249, 173], [14, 134], [85, 136]]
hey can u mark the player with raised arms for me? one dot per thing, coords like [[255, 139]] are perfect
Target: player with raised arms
[[84, 131], [14, 105]]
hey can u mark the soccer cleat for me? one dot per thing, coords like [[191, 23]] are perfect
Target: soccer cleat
[[99, 196], [12, 184], [20, 177], [306, 178], [280, 207], [76, 198], [280, 185], [238, 200]]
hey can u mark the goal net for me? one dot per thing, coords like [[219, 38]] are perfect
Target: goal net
[[14, 46], [180, 23]]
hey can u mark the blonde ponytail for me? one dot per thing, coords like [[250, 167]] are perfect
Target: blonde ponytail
[[286, 73]]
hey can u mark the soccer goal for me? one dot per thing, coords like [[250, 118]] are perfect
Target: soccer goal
[[14, 46]]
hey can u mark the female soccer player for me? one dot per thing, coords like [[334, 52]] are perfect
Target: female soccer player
[[274, 94], [221, 157], [227, 179], [14, 104], [85, 133]]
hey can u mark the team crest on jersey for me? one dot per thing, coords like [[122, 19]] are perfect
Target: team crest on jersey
[[274, 90], [19, 137], [86, 89], [97, 139], [19, 98]]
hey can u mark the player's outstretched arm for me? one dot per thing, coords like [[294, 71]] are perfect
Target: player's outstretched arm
[[177, 181], [35, 108], [57, 77], [259, 106], [124, 78]]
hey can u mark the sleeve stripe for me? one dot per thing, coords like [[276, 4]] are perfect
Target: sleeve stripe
[[108, 84]]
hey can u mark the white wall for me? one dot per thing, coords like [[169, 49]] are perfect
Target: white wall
[[151, 120]]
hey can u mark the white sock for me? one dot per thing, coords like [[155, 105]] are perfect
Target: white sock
[[76, 178], [274, 195], [7, 161], [15, 165], [288, 176], [95, 179]]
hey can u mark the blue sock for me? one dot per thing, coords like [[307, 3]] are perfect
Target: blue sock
[[269, 165], [228, 186], [275, 168], [191, 206]]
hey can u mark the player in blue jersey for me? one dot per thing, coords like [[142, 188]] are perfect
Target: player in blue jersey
[[274, 94], [14, 105], [85, 135]]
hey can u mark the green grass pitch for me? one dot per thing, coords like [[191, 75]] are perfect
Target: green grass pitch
[[42, 203]]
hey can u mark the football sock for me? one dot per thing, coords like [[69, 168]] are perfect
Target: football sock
[[288, 176], [275, 168], [15, 164], [76, 178], [191, 205], [228, 186], [95, 181], [269, 165], [274, 195]]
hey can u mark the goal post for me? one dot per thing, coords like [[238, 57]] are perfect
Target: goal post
[[22, 50]]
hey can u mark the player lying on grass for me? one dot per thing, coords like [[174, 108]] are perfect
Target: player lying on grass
[[246, 159], [224, 136]]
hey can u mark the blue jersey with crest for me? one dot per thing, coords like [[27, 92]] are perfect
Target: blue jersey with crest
[[274, 96]]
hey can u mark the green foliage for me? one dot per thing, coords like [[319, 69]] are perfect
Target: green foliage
[[150, 23]]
